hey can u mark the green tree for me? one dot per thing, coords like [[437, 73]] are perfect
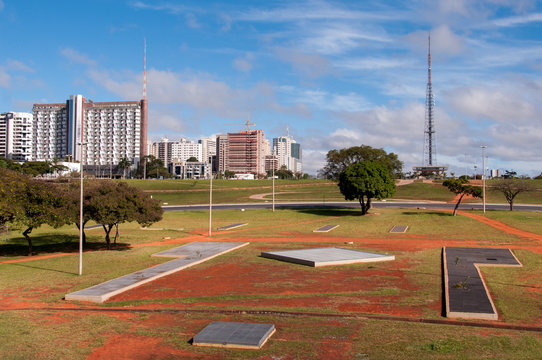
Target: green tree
[[124, 164], [365, 181], [29, 203], [339, 160], [36, 168], [284, 173], [460, 186], [228, 174], [511, 187], [114, 203], [192, 159]]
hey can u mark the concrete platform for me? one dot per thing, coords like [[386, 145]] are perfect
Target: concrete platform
[[399, 229], [326, 228], [326, 256], [234, 335], [232, 226], [466, 294], [187, 255]]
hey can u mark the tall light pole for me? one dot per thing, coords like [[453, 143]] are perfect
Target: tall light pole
[[273, 166], [484, 176], [211, 197], [81, 212]]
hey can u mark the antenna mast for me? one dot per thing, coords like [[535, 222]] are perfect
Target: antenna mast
[[145, 70], [430, 152]]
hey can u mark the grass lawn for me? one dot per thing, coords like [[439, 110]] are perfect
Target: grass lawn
[[160, 318]]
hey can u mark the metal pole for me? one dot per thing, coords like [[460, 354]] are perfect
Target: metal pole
[[484, 176], [211, 198], [273, 185], [81, 214]]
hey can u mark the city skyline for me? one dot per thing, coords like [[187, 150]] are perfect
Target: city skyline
[[339, 74]]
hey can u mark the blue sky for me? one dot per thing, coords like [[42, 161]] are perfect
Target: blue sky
[[338, 73]]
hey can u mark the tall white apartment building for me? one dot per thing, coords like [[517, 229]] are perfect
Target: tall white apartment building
[[176, 151], [16, 136], [109, 131], [208, 147], [288, 153], [185, 149]]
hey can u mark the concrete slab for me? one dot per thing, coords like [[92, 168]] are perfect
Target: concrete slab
[[466, 294], [326, 256], [187, 255], [399, 229], [232, 226], [326, 228], [234, 335]]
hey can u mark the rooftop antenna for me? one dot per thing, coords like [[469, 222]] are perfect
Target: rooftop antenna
[[145, 70], [287, 131]]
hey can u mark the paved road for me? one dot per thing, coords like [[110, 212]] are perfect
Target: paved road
[[351, 204]]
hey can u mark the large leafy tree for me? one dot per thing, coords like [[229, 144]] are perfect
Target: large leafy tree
[[30, 203], [365, 181], [461, 187], [511, 187], [338, 160], [114, 203]]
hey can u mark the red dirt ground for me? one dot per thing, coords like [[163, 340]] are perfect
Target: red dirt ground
[[379, 288]]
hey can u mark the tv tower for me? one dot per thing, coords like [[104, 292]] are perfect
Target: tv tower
[[429, 149], [430, 167]]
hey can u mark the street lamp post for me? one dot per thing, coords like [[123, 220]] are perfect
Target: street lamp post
[[484, 176], [81, 212], [273, 166], [211, 197]]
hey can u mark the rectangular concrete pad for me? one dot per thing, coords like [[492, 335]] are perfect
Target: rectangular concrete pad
[[326, 228], [232, 226], [234, 335], [326, 256], [466, 294], [188, 255], [399, 229]]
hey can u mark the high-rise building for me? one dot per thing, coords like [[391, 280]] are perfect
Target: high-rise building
[[16, 136], [222, 152], [208, 147], [246, 152], [178, 151], [109, 131], [288, 153]]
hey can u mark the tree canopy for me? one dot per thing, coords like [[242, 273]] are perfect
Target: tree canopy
[[365, 181], [338, 160], [30, 203], [511, 187], [461, 187], [113, 203]]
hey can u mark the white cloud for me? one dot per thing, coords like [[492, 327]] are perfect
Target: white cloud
[[191, 21], [244, 64], [197, 93], [312, 65], [4, 78], [372, 63], [77, 57], [339, 38], [494, 104], [19, 66], [518, 20], [167, 7], [443, 41]]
